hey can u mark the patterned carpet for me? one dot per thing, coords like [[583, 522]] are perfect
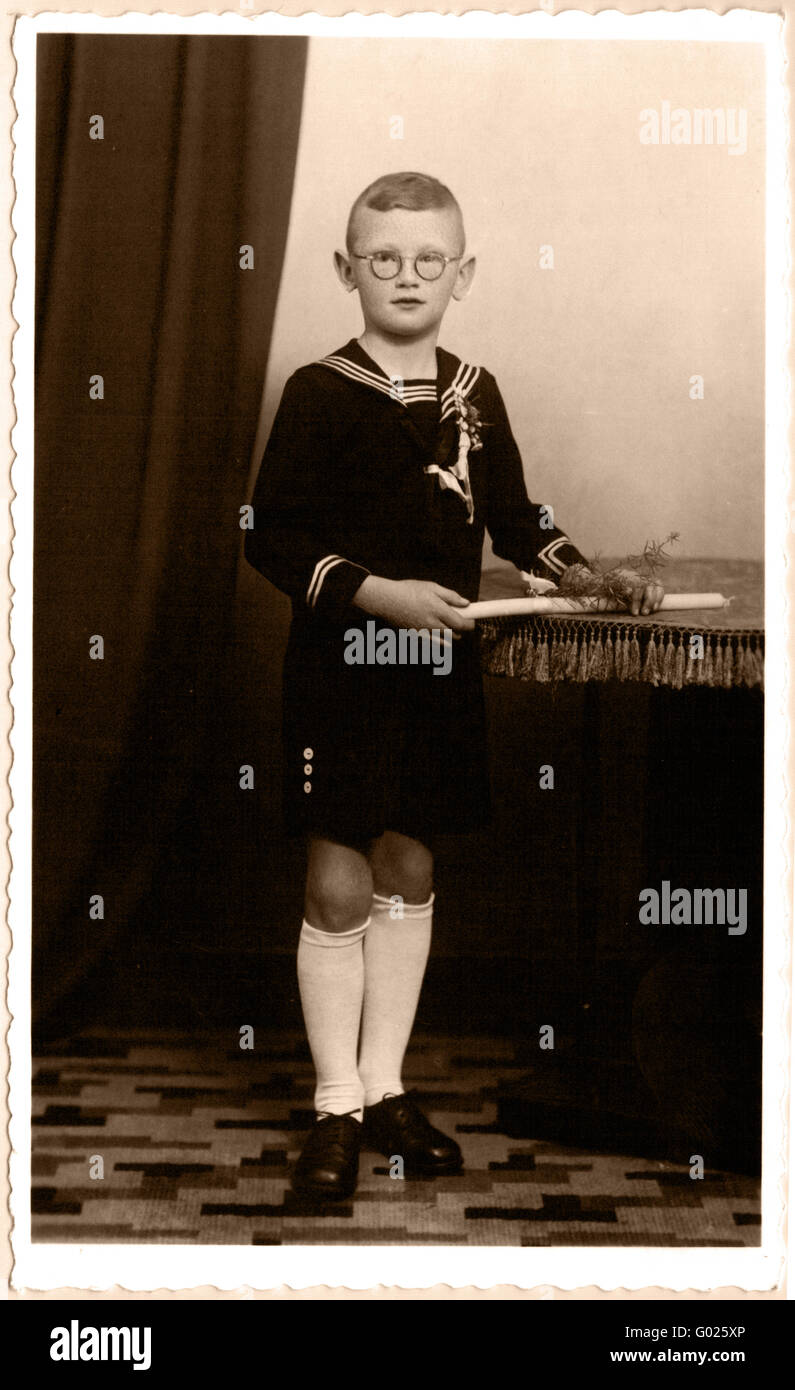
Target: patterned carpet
[[196, 1139]]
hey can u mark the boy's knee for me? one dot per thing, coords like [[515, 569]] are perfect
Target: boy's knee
[[339, 894], [403, 866]]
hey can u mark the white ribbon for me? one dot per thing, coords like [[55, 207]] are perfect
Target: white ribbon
[[459, 473]]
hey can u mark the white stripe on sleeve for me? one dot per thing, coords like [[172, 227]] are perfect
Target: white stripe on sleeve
[[318, 575], [548, 554]]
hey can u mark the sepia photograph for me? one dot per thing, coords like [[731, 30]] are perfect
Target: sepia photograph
[[397, 721]]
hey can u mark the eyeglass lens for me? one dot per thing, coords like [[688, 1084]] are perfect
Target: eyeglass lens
[[428, 266]]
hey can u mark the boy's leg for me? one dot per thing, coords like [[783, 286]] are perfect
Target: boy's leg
[[331, 970], [395, 955]]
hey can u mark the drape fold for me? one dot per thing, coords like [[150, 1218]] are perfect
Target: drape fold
[[138, 488]]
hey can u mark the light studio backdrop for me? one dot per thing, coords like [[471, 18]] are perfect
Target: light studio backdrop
[[611, 273]]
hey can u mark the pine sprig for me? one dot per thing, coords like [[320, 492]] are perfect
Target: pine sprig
[[611, 584]]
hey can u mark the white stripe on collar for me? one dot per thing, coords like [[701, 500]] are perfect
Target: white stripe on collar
[[361, 374], [462, 383]]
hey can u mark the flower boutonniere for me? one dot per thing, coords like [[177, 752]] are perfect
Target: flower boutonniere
[[469, 424], [469, 421]]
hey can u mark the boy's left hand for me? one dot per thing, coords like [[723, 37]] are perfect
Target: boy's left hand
[[642, 595]]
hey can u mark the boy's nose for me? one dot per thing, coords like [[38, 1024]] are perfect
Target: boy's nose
[[407, 275]]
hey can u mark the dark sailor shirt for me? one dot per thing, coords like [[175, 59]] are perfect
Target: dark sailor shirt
[[362, 475]]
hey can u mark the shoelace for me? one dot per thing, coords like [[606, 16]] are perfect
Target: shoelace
[[408, 1111], [337, 1135]]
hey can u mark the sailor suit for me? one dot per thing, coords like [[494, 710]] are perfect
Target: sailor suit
[[366, 475]]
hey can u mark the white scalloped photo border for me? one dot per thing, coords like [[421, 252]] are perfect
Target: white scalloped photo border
[[170, 1267]]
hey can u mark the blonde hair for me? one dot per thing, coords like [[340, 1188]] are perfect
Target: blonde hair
[[415, 192]]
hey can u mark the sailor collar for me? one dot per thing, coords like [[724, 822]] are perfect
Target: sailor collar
[[454, 378]]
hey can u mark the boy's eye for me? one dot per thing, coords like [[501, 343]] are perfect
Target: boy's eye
[[430, 265], [385, 263]]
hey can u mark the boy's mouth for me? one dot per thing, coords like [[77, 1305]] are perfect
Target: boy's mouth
[[407, 301]]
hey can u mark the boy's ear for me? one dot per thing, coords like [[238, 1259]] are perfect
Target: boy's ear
[[344, 270], [463, 280]]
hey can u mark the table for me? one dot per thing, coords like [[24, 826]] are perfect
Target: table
[[657, 649], [658, 776]]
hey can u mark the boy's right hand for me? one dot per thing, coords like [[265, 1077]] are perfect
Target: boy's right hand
[[414, 603]]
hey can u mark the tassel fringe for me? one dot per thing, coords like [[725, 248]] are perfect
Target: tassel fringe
[[548, 649]]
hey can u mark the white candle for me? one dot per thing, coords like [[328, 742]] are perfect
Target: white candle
[[508, 607]]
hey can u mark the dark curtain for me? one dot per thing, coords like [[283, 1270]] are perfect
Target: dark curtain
[[138, 494]]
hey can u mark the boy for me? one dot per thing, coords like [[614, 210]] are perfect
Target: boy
[[386, 461]]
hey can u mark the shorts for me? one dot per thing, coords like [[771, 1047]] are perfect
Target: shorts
[[369, 747]]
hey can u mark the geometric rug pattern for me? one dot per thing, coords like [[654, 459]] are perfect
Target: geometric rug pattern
[[195, 1138]]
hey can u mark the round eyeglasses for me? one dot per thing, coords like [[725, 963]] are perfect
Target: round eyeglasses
[[385, 265]]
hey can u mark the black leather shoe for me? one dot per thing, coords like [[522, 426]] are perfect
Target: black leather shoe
[[396, 1125], [328, 1167]]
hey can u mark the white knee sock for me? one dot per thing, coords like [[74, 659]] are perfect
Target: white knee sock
[[331, 985], [395, 954]]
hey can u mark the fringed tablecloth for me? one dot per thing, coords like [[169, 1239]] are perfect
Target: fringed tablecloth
[[658, 649]]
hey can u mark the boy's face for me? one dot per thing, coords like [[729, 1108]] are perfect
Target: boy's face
[[406, 306]]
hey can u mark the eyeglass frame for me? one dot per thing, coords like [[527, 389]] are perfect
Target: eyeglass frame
[[401, 260]]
